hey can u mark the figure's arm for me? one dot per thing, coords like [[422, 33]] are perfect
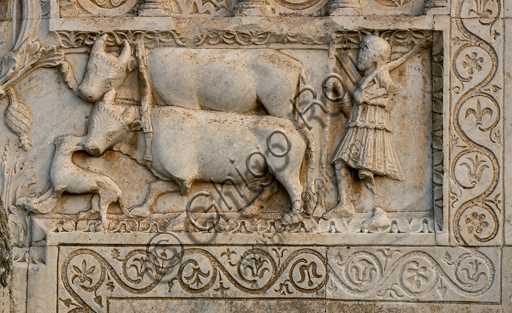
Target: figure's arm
[[419, 47], [381, 96], [346, 104]]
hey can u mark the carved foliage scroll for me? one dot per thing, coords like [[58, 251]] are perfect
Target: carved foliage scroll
[[405, 273], [89, 276], [476, 143]]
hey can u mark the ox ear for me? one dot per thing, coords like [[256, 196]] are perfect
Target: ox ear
[[136, 125], [131, 118]]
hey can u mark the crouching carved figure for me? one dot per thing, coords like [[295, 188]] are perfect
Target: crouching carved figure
[[67, 177]]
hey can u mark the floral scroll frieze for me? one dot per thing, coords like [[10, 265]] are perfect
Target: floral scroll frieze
[[89, 276], [402, 274], [340, 38]]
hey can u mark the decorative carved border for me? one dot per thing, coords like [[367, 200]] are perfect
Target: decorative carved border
[[342, 39], [89, 276], [476, 129]]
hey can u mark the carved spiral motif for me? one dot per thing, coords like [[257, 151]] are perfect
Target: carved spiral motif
[[363, 271], [418, 276], [417, 273]]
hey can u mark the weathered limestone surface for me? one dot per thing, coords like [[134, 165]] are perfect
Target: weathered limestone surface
[[255, 156]]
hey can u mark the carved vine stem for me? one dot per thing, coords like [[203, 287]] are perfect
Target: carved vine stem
[[15, 66], [474, 40], [362, 273], [247, 285]]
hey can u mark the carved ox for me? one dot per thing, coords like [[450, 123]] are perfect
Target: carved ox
[[197, 145], [229, 80]]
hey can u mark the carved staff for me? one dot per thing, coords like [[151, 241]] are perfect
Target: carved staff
[[146, 100]]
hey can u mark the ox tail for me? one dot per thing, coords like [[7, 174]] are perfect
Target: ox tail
[[310, 166], [310, 151], [302, 81], [303, 77]]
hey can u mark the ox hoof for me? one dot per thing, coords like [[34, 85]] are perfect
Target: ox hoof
[[88, 215], [291, 219], [102, 227], [340, 211], [139, 212], [27, 203], [250, 212]]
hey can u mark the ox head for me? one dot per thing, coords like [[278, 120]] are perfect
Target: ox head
[[109, 123], [105, 71]]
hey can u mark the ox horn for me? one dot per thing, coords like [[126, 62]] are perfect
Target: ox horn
[[99, 45], [126, 53]]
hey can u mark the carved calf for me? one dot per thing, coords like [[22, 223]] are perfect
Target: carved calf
[[196, 145], [66, 176], [229, 80]]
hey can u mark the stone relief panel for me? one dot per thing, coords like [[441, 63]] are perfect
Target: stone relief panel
[[398, 274], [160, 150], [226, 194]]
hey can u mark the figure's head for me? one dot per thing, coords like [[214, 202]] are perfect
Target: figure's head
[[105, 71], [108, 123], [374, 51]]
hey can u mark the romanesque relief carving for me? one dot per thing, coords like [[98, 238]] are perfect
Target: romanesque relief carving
[[17, 180], [242, 119], [368, 144], [228, 8], [399, 274], [67, 177], [163, 150], [16, 65], [107, 8], [476, 191], [89, 276]]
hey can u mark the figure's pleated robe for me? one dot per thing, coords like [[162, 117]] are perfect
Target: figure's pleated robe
[[368, 141]]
